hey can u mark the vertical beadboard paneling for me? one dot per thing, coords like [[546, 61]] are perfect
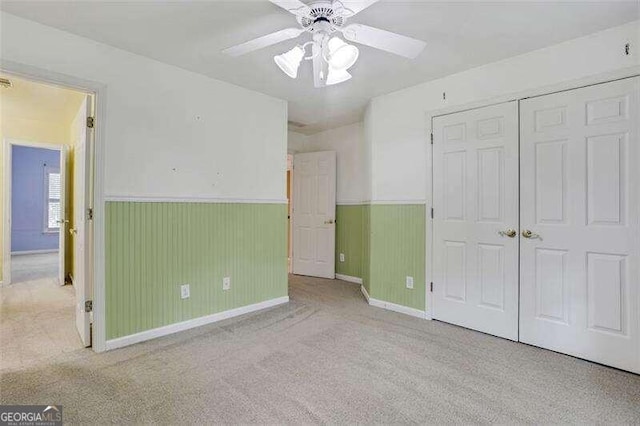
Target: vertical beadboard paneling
[[397, 250], [349, 239], [153, 248]]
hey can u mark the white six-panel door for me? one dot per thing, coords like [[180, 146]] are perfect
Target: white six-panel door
[[475, 187], [579, 234], [580, 196], [314, 210]]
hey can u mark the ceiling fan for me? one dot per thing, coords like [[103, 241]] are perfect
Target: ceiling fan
[[331, 55]]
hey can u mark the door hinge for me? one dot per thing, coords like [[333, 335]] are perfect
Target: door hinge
[[90, 213], [91, 122], [431, 287], [432, 213], [431, 138], [88, 305]]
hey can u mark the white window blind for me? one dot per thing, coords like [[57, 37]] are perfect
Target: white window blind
[[54, 191]]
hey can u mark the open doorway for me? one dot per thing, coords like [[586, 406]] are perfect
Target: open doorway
[[46, 133]]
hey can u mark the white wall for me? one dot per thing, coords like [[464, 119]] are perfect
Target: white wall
[[349, 144], [397, 127], [169, 132], [296, 142]]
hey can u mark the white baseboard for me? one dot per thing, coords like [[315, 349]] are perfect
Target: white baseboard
[[196, 322], [349, 278], [392, 306], [397, 308], [364, 291], [45, 251]]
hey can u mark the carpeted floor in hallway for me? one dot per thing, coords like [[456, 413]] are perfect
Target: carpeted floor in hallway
[[326, 357]]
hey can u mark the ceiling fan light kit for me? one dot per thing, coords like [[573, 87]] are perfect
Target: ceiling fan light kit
[[341, 55], [289, 62], [335, 76], [331, 56]]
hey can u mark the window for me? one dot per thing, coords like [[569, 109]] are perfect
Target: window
[[53, 191]]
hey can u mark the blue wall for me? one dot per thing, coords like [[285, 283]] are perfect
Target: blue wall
[[27, 204]]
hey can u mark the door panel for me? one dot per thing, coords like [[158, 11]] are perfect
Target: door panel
[[580, 279], [314, 206], [81, 230], [475, 167]]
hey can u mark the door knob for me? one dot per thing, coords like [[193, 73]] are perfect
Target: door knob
[[528, 234], [508, 233], [328, 222]]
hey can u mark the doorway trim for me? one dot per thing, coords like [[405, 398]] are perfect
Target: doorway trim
[[99, 93], [518, 96], [7, 146]]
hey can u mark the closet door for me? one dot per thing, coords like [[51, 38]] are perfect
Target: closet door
[[580, 196], [475, 256]]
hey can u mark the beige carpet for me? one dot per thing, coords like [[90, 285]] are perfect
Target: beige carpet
[[32, 267], [37, 323], [327, 357]]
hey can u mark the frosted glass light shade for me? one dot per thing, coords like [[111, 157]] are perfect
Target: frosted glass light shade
[[289, 62], [342, 55], [337, 76]]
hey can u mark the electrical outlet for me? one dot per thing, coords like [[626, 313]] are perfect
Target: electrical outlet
[[341, 257], [184, 291], [226, 283], [409, 282]]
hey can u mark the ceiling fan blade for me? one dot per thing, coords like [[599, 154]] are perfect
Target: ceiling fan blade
[[264, 41], [292, 6], [348, 8], [384, 40]]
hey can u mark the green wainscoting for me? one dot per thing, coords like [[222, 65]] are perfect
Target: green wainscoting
[[153, 248], [383, 244], [396, 250], [349, 239]]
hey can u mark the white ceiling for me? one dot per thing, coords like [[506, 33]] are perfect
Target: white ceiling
[[459, 36]]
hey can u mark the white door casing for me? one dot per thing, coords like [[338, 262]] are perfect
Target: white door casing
[[314, 209], [81, 226], [580, 198], [62, 234], [475, 199]]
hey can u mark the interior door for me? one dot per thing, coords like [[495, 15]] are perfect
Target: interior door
[[81, 230], [314, 210], [580, 278], [62, 234], [475, 187]]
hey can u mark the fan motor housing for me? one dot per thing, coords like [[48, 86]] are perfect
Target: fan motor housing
[[322, 17]]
